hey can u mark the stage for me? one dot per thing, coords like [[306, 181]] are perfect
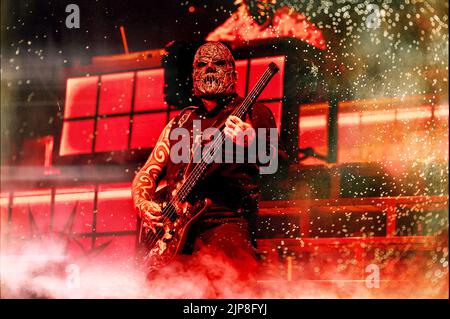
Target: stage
[[360, 102]]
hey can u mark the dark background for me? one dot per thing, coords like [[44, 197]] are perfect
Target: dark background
[[149, 24]]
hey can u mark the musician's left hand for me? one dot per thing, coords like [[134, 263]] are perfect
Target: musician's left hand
[[236, 129]]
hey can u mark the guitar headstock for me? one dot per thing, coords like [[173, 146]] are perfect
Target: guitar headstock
[[273, 67]]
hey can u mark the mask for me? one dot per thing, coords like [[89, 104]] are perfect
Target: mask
[[214, 73]]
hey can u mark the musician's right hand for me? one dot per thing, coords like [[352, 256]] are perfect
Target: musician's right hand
[[151, 215]]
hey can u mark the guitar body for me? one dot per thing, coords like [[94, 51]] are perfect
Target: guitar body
[[158, 249]]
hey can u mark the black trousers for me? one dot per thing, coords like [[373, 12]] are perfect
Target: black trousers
[[228, 236]]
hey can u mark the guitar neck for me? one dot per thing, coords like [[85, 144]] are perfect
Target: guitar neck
[[251, 98], [245, 106]]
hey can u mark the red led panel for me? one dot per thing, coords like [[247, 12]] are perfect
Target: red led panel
[[276, 108], [313, 130], [30, 214], [116, 92], [76, 137], [81, 97], [112, 134], [20, 223], [115, 215], [73, 213], [147, 128], [400, 134], [274, 89], [119, 250], [41, 217], [149, 90], [348, 130], [115, 209], [241, 69]]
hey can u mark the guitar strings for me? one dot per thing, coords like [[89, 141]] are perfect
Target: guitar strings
[[200, 167]]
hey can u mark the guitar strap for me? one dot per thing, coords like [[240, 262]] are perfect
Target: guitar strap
[[182, 118]]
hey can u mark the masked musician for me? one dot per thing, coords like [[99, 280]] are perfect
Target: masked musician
[[234, 188]]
